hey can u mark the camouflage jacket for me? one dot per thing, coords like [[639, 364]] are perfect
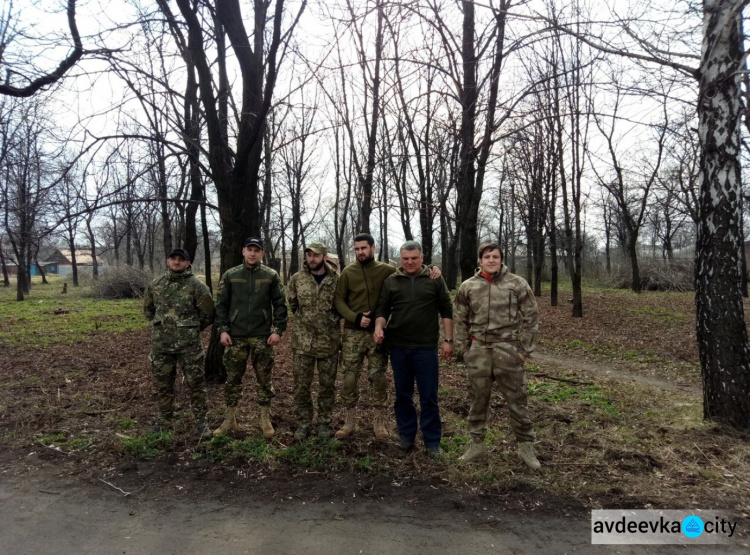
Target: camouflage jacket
[[251, 302], [500, 309], [317, 324], [178, 306]]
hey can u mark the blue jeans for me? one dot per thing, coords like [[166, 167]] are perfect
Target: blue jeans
[[420, 365]]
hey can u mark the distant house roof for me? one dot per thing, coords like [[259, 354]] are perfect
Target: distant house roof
[[62, 256], [83, 257]]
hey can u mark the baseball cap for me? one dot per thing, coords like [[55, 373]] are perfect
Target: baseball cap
[[254, 242], [317, 248], [179, 252]]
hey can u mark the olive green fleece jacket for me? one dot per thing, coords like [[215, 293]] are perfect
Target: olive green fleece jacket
[[251, 302], [413, 304], [358, 290]]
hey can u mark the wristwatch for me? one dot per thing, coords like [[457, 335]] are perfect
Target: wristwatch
[[448, 341]]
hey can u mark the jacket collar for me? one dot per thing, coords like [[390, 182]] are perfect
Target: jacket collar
[[423, 272]]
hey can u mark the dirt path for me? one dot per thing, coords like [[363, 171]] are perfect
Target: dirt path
[[47, 515], [612, 372]]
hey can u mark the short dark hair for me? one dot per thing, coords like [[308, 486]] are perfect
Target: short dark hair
[[488, 246], [365, 237]]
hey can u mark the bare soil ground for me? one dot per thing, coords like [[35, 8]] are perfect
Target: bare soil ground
[[615, 397]]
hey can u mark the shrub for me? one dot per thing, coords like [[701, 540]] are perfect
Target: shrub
[[124, 282], [656, 275]]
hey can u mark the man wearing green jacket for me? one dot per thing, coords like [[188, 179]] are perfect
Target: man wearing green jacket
[[251, 315], [410, 304], [357, 296]]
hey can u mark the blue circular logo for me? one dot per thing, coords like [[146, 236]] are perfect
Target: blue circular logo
[[692, 526]]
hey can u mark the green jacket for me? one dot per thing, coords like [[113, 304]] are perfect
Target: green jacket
[[358, 290], [413, 305], [503, 309], [251, 302], [179, 306], [317, 325]]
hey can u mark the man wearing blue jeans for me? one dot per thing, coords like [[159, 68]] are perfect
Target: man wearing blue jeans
[[410, 304]]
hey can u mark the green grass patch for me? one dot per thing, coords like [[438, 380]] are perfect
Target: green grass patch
[[221, 448], [45, 317], [558, 392], [314, 454], [59, 440], [125, 424], [147, 446], [658, 314]]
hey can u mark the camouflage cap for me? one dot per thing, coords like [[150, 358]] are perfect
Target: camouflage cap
[[317, 248]]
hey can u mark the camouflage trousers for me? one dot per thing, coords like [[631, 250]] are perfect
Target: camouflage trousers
[[235, 362], [304, 368], [164, 370], [355, 346], [487, 363]]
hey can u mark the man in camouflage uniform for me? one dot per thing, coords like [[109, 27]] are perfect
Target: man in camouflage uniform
[[178, 306], [357, 296], [250, 318], [497, 327], [316, 338]]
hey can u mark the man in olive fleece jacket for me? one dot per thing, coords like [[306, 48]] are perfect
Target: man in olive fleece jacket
[[357, 296], [413, 303], [251, 315]]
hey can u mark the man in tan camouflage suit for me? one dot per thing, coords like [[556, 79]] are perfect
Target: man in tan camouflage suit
[[316, 338], [250, 318], [178, 306], [497, 326]]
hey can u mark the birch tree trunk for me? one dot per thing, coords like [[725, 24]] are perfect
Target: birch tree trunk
[[721, 330]]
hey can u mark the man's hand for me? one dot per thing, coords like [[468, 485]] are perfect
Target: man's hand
[[446, 351], [378, 336], [435, 272], [273, 339], [365, 321], [225, 339]]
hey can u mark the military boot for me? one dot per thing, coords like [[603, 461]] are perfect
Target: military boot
[[230, 422], [349, 424], [378, 425], [324, 431], [475, 453], [265, 422], [526, 454]]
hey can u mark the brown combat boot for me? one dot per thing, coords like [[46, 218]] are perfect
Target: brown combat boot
[[230, 422], [475, 453], [349, 424], [526, 454], [378, 425], [265, 422]]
